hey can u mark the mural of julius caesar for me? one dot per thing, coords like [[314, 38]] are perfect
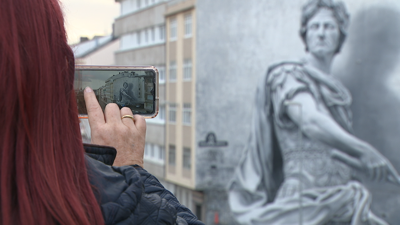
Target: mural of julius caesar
[[124, 97], [302, 160]]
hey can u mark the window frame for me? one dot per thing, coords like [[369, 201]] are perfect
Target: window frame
[[170, 161], [172, 71], [187, 158], [139, 37], [187, 114], [161, 112], [153, 34], [161, 33], [161, 155], [161, 74], [173, 29], [172, 113], [146, 36], [188, 20], [187, 69]]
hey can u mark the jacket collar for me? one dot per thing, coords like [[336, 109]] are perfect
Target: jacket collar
[[101, 153]]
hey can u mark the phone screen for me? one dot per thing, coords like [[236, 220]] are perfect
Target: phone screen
[[134, 87]]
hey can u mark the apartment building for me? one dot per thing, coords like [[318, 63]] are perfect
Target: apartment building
[[141, 30], [163, 33], [180, 142], [97, 51]]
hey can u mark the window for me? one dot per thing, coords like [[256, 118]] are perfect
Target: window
[[172, 71], [161, 74], [153, 35], [146, 150], [188, 25], [128, 41], [142, 37], [161, 154], [138, 38], [127, 7], [172, 29], [162, 32], [154, 153], [187, 69], [172, 112], [124, 42], [138, 3], [187, 158], [187, 114], [161, 113], [151, 148], [160, 118], [172, 155], [146, 36]]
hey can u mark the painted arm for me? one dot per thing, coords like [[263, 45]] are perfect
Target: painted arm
[[350, 150]]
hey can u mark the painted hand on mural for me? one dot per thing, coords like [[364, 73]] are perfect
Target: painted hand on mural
[[371, 162]]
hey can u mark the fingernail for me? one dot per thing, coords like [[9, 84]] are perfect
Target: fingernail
[[88, 89]]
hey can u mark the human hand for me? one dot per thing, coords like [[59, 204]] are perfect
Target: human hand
[[374, 164], [126, 135]]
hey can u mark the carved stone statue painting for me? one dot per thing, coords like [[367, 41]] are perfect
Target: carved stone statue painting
[[302, 163]]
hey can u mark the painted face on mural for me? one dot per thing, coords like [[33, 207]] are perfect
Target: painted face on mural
[[322, 33]]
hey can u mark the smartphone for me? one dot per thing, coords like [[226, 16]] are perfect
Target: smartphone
[[135, 87]]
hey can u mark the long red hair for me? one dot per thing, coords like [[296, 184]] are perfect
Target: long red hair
[[43, 178]]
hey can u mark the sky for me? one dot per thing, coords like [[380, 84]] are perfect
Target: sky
[[89, 17]]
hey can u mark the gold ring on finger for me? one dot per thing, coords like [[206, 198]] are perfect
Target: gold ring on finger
[[128, 116]]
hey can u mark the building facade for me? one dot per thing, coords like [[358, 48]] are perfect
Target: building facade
[[144, 39], [97, 51], [180, 95], [141, 30]]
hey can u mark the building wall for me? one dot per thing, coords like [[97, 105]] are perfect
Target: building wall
[[238, 40], [154, 168], [180, 92], [155, 133], [103, 56]]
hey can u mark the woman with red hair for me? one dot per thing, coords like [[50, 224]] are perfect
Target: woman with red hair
[[45, 175]]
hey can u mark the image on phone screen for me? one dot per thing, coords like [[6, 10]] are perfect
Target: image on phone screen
[[132, 88]]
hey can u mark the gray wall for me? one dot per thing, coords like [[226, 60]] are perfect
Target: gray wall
[[237, 41]]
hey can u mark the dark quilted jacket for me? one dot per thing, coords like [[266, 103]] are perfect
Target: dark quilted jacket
[[131, 195]]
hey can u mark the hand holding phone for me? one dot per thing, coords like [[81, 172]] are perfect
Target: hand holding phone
[[134, 87], [126, 135]]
